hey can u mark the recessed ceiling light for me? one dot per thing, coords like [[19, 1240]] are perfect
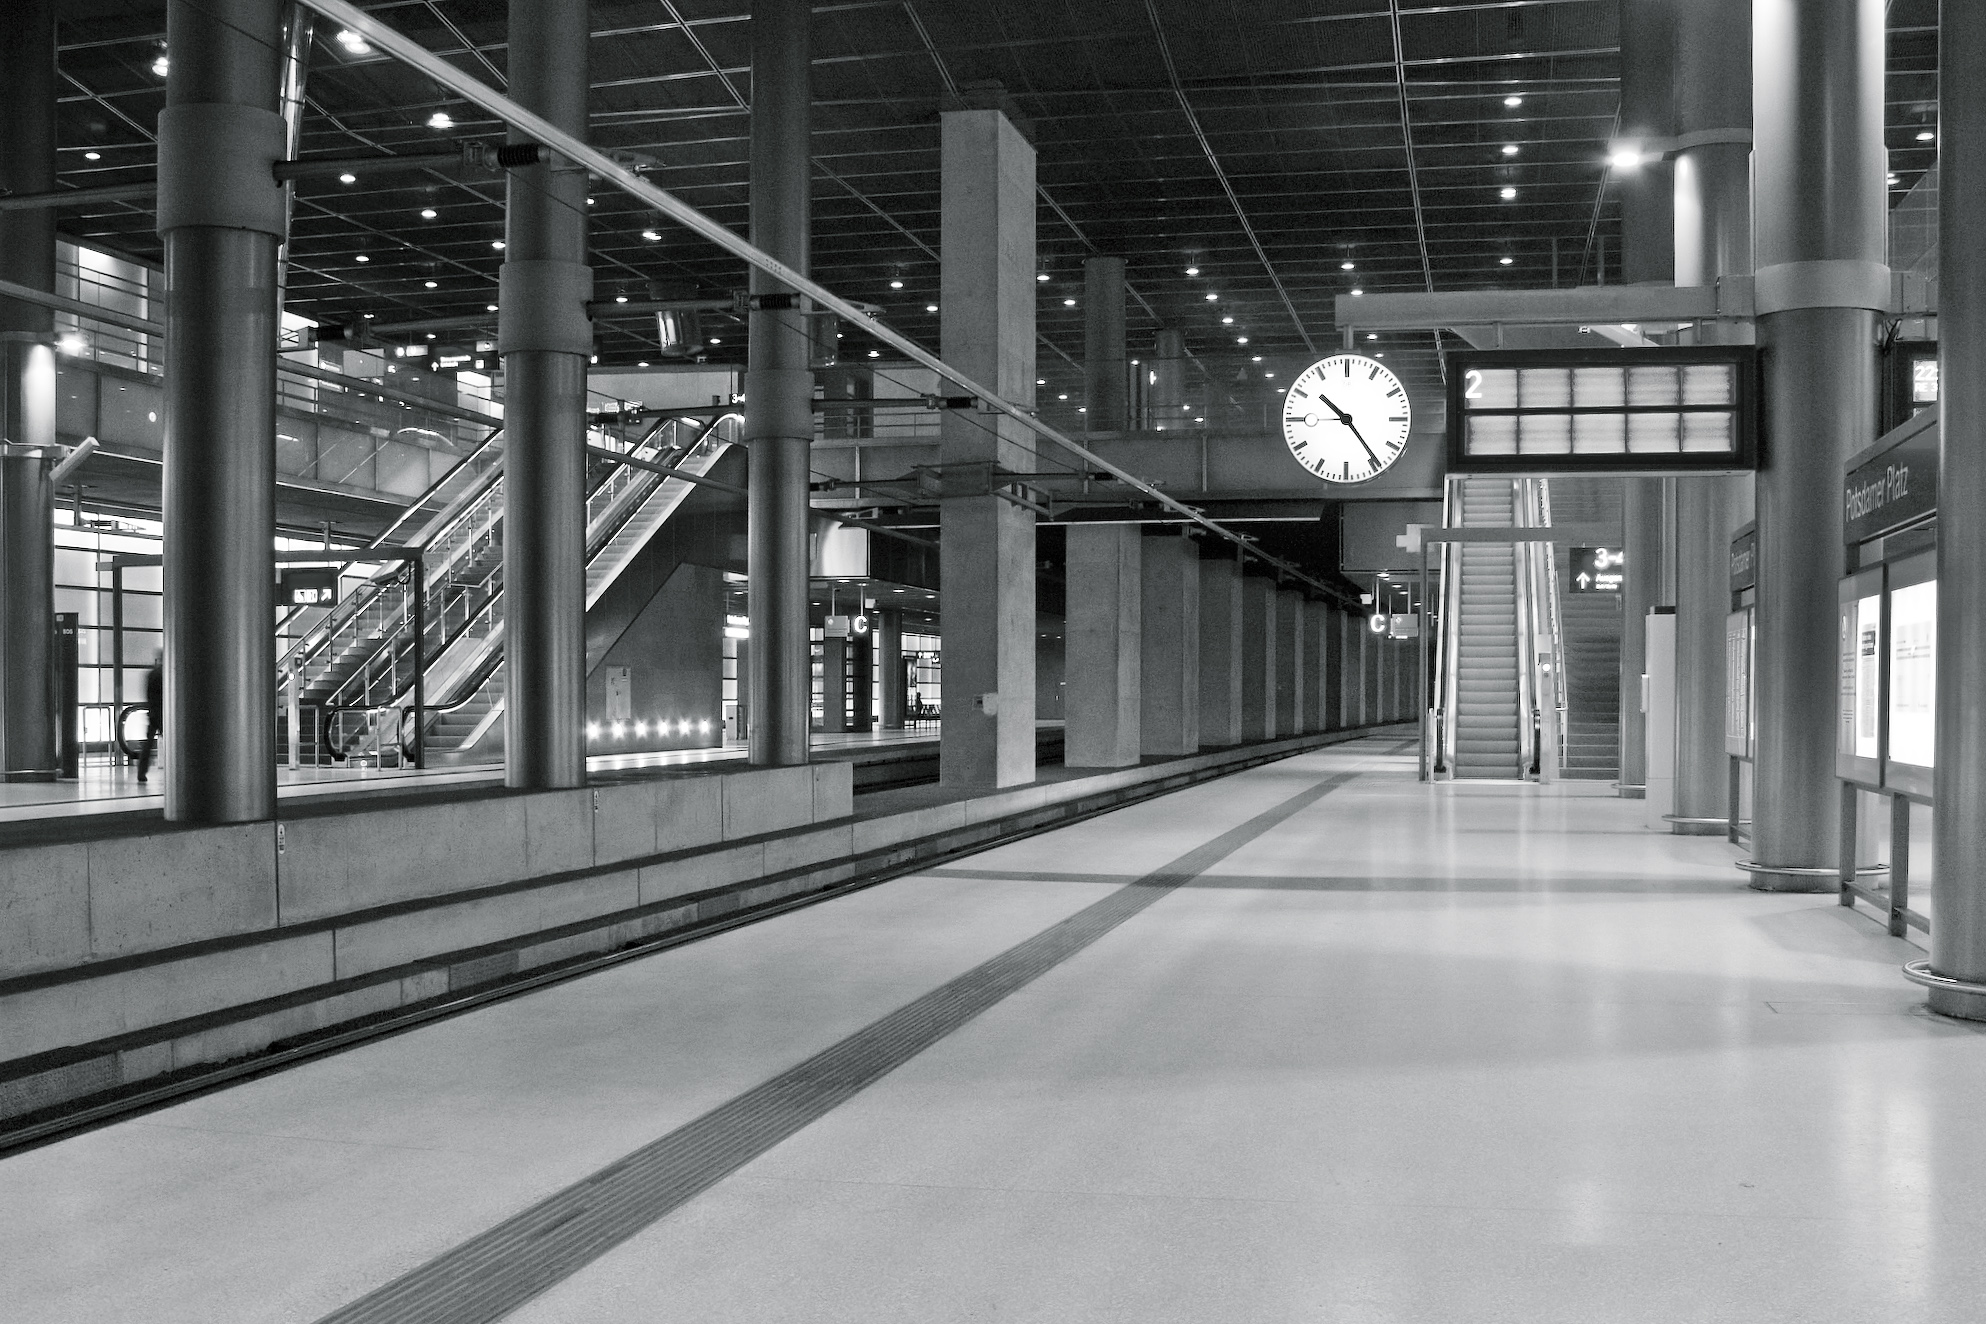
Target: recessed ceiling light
[[348, 178], [1212, 296], [1256, 359], [1507, 193], [1926, 136], [1227, 321], [1505, 261], [1347, 266], [1068, 303], [428, 283], [642, 364], [650, 235], [620, 298], [875, 353], [159, 65], [489, 307], [1192, 271], [1041, 381], [1372, 335], [1061, 397], [717, 340], [1357, 293], [427, 213], [364, 258], [1625, 158], [497, 244], [1241, 340], [930, 307], [1042, 276], [353, 42], [368, 316], [1513, 102], [440, 120], [93, 156], [1510, 149], [896, 284]]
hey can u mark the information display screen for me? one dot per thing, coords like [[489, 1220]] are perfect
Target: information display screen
[[1654, 410], [1913, 674], [1738, 683]]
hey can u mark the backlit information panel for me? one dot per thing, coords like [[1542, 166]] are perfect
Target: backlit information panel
[[1622, 411]]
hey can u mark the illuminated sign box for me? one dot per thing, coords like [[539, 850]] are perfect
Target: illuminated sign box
[[1622, 411]]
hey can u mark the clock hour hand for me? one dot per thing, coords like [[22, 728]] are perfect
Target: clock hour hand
[[1346, 419]]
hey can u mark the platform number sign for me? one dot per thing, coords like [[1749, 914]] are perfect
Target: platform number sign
[[1598, 569]]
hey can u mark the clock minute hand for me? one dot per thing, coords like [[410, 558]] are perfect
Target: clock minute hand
[[1346, 419]]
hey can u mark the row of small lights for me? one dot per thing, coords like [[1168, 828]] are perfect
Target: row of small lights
[[619, 730]]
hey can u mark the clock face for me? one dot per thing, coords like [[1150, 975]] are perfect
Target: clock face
[[1346, 418]]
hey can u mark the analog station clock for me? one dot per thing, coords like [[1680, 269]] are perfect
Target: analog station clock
[[1346, 418]]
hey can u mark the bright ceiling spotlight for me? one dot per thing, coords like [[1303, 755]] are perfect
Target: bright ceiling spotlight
[[1507, 193], [93, 156], [353, 43], [650, 235], [1347, 266], [348, 178], [440, 120], [497, 244], [427, 213], [1357, 293], [1624, 158], [1505, 261], [620, 298], [1513, 101], [930, 307], [364, 258], [1061, 397], [1068, 303], [1372, 335], [159, 65], [1241, 340], [896, 284], [875, 353], [1042, 277], [1925, 136], [1510, 149], [1227, 321], [1256, 359], [1212, 296], [489, 307], [428, 283], [72, 343], [1192, 271]]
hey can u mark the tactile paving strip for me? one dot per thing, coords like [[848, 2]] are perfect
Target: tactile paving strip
[[493, 1273]]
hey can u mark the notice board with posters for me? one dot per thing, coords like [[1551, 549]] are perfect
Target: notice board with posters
[[1864, 657], [1738, 653], [1910, 747]]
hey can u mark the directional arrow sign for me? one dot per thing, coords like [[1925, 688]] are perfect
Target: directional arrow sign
[[1598, 569]]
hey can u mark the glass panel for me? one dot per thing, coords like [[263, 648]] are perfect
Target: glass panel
[[1544, 388], [1545, 434], [1601, 434], [1599, 388], [1710, 384], [1654, 434], [1709, 433], [1653, 386], [1494, 435]]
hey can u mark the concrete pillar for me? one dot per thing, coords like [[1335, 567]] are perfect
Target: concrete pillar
[[889, 669], [986, 560], [1104, 383], [1958, 884], [779, 389], [1258, 658], [545, 338], [1318, 666], [220, 212], [834, 684], [1221, 651], [1290, 663], [1821, 209], [1169, 713], [1713, 82], [1373, 660], [1102, 702], [27, 399], [1165, 382]]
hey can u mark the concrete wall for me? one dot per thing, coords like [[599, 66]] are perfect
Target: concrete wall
[[1102, 705], [674, 653]]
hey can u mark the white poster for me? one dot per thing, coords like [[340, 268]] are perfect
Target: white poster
[[1913, 675], [1737, 683], [620, 693], [1868, 677]]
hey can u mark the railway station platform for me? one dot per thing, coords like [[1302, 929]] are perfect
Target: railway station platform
[[1311, 1041]]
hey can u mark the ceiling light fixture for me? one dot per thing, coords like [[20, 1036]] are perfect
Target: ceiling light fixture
[[930, 307], [1513, 102], [489, 307], [1505, 261], [1212, 296], [428, 283], [440, 120], [1624, 158], [427, 213], [364, 258], [1347, 266], [1926, 136], [896, 284], [1192, 271], [1241, 340], [1357, 293], [650, 235], [1068, 303], [159, 65], [497, 244], [93, 156], [1510, 149], [1042, 277], [353, 43], [348, 178], [1507, 193]]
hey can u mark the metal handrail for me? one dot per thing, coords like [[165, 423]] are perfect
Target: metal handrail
[[1520, 576], [1451, 621]]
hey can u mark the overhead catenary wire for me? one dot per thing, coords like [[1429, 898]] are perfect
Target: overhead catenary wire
[[600, 164]]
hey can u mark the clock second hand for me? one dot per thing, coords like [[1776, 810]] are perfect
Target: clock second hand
[[1346, 419]]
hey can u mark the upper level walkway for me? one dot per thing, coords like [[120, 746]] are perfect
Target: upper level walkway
[[1313, 1041]]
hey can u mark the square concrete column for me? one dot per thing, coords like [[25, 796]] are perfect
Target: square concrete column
[[1169, 719], [1290, 663], [1351, 641], [889, 669], [1258, 658], [1220, 652], [986, 556], [1323, 667], [1100, 694], [834, 684]]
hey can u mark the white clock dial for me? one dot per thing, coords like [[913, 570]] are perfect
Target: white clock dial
[[1346, 418]]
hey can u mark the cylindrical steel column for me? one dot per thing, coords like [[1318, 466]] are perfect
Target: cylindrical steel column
[[27, 397], [545, 339], [1642, 537], [1958, 885], [779, 389], [221, 215], [299, 26], [1105, 388], [1713, 81], [1819, 164]]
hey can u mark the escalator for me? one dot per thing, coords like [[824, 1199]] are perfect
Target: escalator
[[1488, 723], [353, 676]]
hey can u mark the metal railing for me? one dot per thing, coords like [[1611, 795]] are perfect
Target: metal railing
[[1451, 626]]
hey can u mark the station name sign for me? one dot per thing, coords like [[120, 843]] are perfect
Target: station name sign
[[1651, 410], [1896, 487]]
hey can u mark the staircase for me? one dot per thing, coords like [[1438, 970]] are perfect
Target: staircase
[[1488, 729], [1591, 632]]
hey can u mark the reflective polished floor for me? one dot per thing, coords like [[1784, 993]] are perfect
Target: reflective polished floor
[[1312, 1042]]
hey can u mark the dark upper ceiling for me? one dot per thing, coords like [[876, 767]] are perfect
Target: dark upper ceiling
[[1259, 140]]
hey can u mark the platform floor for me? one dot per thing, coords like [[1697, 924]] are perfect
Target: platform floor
[[1313, 1042]]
